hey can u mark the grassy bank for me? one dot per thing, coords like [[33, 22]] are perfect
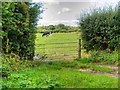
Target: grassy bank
[[54, 75]]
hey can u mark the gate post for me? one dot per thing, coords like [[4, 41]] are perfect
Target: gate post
[[79, 48], [119, 52]]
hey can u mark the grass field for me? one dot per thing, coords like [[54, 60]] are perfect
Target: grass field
[[67, 51], [57, 37]]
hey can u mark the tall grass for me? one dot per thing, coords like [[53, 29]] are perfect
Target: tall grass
[[104, 57]]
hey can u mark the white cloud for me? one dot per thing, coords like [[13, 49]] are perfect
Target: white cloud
[[59, 12], [75, 20], [53, 3], [66, 22], [48, 2], [63, 0], [44, 0], [101, 3], [64, 10]]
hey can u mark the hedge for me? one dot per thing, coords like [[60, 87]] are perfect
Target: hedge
[[101, 29]]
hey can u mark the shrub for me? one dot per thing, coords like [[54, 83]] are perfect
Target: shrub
[[19, 20], [5, 71], [12, 63], [100, 29], [104, 57]]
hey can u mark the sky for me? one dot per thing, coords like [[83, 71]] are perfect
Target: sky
[[68, 11]]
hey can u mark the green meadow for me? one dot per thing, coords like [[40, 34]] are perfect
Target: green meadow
[[58, 50]]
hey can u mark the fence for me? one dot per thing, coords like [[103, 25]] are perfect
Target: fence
[[61, 50]]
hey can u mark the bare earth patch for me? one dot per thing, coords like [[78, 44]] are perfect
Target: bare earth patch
[[114, 73]]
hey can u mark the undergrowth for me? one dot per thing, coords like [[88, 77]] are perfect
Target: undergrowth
[[12, 62], [49, 76]]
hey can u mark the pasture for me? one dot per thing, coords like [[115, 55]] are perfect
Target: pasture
[[61, 48]]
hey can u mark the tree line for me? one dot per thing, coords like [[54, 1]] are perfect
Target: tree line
[[58, 28]]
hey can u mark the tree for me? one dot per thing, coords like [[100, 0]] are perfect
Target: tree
[[60, 27], [51, 27]]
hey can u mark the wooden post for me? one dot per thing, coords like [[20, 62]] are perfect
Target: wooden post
[[119, 52], [7, 46], [79, 48]]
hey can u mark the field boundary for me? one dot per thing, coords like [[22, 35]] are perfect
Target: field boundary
[[63, 45]]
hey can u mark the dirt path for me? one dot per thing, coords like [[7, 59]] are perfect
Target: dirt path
[[114, 72]]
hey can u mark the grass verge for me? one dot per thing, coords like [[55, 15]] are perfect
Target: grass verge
[[51, 76]]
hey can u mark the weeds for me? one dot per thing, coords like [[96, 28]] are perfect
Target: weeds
[[45, 76], [104, 58], [36, 74]]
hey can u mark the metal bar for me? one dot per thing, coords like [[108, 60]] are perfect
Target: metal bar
[[60, 53], [60, 43], [64, 47], [41, 48], [40, 44]]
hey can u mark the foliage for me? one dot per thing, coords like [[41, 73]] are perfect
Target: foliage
[[45, 76], [19, 20], [83, 64], [104, 57], [100, 29], [51, 27], [62, 74], [5, 71], [12, 62], [58, 28]]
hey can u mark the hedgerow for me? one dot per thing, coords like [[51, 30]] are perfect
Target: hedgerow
[[101, 29], [19, 20]]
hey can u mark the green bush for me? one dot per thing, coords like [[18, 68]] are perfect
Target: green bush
[[5, 71], [12, 63], [104, 57], [100, 29], [19, 20]]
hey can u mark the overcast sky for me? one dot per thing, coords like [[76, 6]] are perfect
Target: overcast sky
[[67, 11]]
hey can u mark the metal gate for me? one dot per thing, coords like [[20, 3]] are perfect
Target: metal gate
[[60, 50]]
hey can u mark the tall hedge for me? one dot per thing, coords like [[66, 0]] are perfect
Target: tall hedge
[[100, 29], [19, 20]]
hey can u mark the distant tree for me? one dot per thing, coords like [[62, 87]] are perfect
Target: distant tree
[[51, 27], [60, 27]]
